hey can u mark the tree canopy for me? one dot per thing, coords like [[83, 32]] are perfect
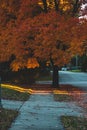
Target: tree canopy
[[41, 30]]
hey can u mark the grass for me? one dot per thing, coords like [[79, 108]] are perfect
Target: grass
[[74, 123], [10, 94], [6, 118], [75, 70], [62, 97]]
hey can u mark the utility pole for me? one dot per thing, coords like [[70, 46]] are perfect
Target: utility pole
[[0, 94], [76, 60]]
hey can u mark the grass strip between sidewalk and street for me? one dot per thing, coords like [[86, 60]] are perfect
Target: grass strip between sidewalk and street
[[11, 94], [75, 70], [74, 123], [62, 97], [6, 118]]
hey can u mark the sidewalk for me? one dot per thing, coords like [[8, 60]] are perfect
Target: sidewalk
[[9, 104], [41, 112]]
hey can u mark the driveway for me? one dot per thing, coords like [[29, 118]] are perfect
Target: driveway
[[78, 79]]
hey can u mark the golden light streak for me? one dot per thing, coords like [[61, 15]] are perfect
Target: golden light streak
[[17, 88], [30, 91], [60, 92]]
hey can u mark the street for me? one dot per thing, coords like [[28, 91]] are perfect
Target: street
[[78, 79]]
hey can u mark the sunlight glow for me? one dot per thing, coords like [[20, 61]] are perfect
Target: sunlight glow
[[32, 63]]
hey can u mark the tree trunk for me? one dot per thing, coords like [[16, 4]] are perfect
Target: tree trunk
[[45, 5], [75, 7], [55, 77], [56, 5]]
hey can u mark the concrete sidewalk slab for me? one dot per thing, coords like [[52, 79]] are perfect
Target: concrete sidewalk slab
[[41, 112], [11, 104]]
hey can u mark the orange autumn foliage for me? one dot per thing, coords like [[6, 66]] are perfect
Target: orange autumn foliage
[[32, 35], [30, 63]]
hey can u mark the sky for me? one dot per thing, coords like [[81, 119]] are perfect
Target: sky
[[83, 7]]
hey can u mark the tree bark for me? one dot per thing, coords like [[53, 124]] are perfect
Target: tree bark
[[45, 5], [75, 8], [56, 2], [55, 76]]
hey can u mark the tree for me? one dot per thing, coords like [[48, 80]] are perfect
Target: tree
[[44, 31]]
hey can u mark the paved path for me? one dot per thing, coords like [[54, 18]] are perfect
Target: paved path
[[78, 79], [9, 104], [41, 112]]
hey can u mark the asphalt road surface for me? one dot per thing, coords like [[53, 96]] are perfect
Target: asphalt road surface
[[76, 79]]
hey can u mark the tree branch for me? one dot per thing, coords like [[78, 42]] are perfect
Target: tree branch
[[75, 7], [45, 5], [56, 2]]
